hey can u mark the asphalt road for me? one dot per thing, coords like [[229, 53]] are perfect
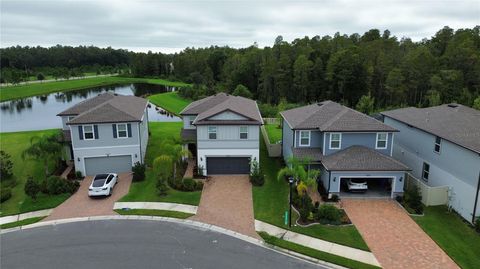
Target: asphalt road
[[134, 244]]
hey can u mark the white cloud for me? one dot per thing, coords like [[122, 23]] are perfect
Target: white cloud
[[170, 26]]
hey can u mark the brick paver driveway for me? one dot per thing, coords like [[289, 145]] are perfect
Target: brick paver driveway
[[227, 202], [394, 238], [80, 205]]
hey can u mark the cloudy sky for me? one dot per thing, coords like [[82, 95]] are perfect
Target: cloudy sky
[[170, 26]]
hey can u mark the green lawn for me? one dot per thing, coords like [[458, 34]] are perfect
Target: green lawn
[[271, 201], [324, 256], [453, 235], [169, 101], [14, 92], [21, 223], [152, 212], [145, 191], [274, 133], [14, 144]]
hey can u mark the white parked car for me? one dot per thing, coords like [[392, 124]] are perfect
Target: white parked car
[[102, 184], [357, 184]]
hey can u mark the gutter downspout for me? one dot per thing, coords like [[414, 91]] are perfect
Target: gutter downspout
[[476, 200], [140, 144]]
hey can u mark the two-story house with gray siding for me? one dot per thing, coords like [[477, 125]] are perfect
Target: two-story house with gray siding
[[344, 144], [442, 146], [107, 133], [223, 133]]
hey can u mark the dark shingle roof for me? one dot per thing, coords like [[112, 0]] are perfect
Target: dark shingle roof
[[360, 158], [329, 116], [216, 104], [456, 123], [312, 154], [106, 108]]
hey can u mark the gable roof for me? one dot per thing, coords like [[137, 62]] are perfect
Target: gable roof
[[328, 116], [221, 102], [360, 158], [107, 107], [456, 123]]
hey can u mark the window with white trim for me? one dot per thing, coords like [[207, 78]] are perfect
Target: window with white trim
[[438, 144], [243, 132], [335, 140], [122, 130], [88, 132], [304, 138], [382, 139], [425, 171], [212, 132]]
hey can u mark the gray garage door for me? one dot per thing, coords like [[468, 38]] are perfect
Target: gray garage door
[[113, 164], [228, 165]]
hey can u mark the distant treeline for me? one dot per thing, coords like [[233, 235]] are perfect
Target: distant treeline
[[384, 70]]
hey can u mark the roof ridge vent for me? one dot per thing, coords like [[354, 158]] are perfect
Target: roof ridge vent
[[453, 105]]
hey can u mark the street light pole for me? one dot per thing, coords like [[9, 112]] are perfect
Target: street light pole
[[290, 181]]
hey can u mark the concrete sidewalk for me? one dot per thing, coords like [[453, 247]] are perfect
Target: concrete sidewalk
[[157, 206], [28, 215], [318, 244]]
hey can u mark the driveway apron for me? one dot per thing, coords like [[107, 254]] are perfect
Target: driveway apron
[[227, 202], [81, 205], [394, 238]]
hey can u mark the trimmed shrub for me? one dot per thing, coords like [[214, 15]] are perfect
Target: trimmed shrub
[[56, 185], [256, 176], [188, 184], [5, 194], [138, 172], [301, 188], [413, 199], [32, 188], [78, 175], [328, 214], [6, 165]]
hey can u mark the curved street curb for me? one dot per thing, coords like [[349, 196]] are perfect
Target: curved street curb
[[187, 222]]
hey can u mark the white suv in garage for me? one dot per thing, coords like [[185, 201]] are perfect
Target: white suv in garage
[[102, 184]]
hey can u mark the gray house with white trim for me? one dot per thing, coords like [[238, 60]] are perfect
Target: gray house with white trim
[[223, 133], [343, 144], [442, 146], [107, 133]]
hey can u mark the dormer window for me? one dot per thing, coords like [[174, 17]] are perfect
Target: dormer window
[[382, 139], [335, 140], [304, 138], [438, 144]]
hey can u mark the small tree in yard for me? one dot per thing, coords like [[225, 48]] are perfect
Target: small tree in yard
[[138, 172], [45, 148], [176, 152], [6, 165], [413, 199], [296, 169], [32, 188], [162, 169]]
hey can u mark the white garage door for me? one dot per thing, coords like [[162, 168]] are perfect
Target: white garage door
[[112, 164]]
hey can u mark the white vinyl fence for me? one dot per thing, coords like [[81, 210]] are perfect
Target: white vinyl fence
[[430, 195]]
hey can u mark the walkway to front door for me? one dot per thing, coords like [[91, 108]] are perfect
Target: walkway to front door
[[227, 202], [394, 238]]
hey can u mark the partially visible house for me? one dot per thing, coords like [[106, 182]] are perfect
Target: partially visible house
[[223, 132], [107, 133], [344, 144], [442, 146]]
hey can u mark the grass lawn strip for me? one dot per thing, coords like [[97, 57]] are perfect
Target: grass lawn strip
[[21, 222], [271, 201], [153, 212], [14, 144], [170, 101], [145, 191], [21, 91], [320, 255], [452, 234], [274, 133]]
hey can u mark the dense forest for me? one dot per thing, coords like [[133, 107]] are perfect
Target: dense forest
[[377, 68]]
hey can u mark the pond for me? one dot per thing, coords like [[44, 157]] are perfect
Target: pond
[[40, 112]]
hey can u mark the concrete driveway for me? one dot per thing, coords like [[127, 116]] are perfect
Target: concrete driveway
[[81, 205], [394, 238], [227, 202]]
